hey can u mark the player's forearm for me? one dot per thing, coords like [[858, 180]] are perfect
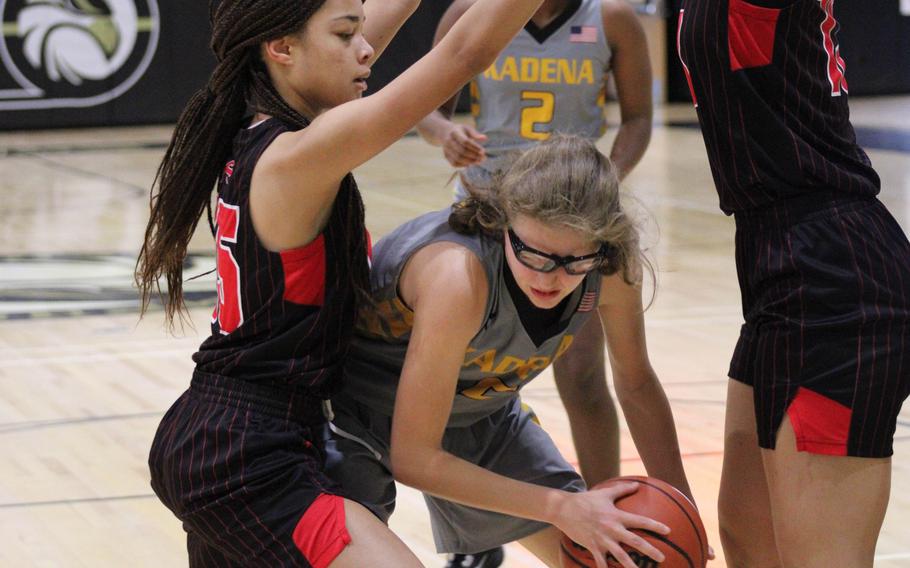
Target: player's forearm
[[650, 421], [440, 473], [433, 128], [482, 32], [595, 433], [630, 144], [383, 20]]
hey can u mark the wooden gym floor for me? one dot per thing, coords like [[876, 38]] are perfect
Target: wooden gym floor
[[83, 383]]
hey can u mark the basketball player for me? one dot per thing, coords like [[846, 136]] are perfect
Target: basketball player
[[552, 78], [474, 302], [279, 126], [821, 368]]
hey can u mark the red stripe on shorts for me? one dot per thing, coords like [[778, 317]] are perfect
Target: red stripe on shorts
[[321, 534], [821, 425]]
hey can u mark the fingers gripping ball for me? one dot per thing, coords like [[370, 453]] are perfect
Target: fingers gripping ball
[[685, 547]]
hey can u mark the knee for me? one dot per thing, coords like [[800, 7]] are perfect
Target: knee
[[741, 552], [744, 544]]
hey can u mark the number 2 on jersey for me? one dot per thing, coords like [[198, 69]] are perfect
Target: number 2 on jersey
[[541, 113], [228, 311]]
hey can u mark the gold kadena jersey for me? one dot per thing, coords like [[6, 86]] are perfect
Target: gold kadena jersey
[[546, 80]]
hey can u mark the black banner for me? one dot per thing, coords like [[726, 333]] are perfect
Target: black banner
[[100, 62], [69, 63]]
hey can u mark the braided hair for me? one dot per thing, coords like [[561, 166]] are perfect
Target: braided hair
[[202, 140]]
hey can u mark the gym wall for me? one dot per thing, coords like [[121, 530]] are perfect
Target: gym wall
[[139, 61]]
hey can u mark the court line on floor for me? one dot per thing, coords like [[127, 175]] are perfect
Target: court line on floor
[[31, 425], [125, 344], [76, 501], [73, 149], [139, 190], [94, 358]]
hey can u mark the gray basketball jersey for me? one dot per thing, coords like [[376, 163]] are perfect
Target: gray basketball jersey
[[499, 360], [536, 88]]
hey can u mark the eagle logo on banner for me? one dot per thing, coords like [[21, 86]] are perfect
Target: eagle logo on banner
[[73, 53]]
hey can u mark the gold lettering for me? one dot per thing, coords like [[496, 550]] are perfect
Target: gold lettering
[[548, 71], [533, 364], [530, 69], [484, 361], [508, 364], [563, 345], [480, 390], [587, 72], [567, 71], [491, 73], [509, 70]]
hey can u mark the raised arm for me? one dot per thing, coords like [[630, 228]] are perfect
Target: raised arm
[[447, 289], [298, 176], [383, 19], [638, 390], [632, 72]]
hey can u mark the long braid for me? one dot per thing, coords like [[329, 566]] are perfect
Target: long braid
[[202, 139]]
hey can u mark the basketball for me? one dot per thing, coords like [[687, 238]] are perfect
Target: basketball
[[685, 547]]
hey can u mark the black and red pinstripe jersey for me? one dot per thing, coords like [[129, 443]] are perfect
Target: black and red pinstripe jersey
[[281, 318], [768, 81]]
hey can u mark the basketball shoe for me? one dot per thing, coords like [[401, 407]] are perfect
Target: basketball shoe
[[486, 559]]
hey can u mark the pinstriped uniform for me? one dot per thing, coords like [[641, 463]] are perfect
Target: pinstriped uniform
[[824, 269], [239, 456]]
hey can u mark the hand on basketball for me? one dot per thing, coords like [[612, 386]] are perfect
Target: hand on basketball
[[462, 146], [592, 520]]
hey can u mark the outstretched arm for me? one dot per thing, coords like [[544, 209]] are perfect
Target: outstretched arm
[[632, 72], [383, 20], [297, 178], [640, 394]]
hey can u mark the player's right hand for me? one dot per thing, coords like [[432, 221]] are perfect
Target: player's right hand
[[462, 146], [592, 520]]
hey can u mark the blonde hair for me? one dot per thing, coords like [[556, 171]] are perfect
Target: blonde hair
[[563, 181]]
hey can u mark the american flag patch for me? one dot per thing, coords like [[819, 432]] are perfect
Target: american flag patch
[[583, 34], [587, 302]]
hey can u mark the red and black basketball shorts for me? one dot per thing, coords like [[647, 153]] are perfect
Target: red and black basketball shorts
[[241, 465], [825, 286]]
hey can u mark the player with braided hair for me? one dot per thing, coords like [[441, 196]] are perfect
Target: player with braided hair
[[239, 457]]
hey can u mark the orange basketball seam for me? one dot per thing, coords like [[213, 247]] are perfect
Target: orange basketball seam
[[669, 543], [570, 556], [702, 545]]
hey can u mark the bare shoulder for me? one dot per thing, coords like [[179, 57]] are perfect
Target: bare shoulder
[[619, 18], [616, 9], [445, 274], [615, 292]]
